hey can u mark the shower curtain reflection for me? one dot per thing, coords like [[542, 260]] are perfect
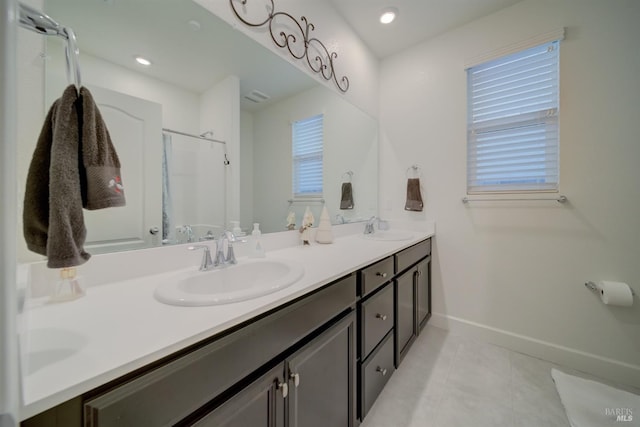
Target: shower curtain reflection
[[168, 229]]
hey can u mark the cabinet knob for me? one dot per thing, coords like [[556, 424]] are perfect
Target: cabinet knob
[[382, 370], [284, 387], [381, 316], [296, 379], [154, 230], [380, 274]]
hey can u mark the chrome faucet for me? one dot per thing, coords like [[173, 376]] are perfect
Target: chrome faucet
[[220, 258], [368, 227], [186, 229], [206, 263]]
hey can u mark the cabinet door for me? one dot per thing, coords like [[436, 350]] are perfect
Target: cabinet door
[[322, 379], [423, 289], [261, 404], [405, 313]]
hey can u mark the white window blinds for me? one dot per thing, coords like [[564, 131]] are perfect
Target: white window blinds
[[513, 122], [307, 157]]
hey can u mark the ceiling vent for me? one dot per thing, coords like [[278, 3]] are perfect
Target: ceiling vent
[[256, 96]]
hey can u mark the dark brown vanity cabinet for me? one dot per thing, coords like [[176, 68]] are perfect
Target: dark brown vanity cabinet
[[412, 295], [395, 304], [315, 387], [423, 290], [322, 379], [376, 325], [259, 405], [406, 332]]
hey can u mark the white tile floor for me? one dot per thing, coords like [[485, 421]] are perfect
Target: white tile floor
[[452, 381]]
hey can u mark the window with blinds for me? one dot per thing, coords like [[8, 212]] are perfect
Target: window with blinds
[[512, 122], [307, 157]]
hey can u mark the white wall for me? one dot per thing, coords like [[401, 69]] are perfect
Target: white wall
[[514, 272], [355, 60]]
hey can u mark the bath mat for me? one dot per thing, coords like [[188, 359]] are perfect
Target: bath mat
[[592, 404]]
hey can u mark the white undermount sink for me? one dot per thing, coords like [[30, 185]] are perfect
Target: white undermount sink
[[250, 278], [389, 235]]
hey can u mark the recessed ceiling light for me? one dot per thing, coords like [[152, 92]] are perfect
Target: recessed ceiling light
[[388, 15], [143, 61]]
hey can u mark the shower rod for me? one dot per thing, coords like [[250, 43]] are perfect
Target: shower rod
[[177, 132]]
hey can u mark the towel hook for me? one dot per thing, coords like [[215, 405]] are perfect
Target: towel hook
[[349, 174]]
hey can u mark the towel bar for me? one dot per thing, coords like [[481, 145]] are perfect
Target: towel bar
[[291, 201], [559, 199]]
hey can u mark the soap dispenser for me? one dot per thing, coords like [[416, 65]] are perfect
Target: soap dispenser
[[257, 251]]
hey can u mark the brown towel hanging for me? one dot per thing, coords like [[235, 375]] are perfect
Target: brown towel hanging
[[74, 165], [414, 198], [53, 224], [346, 201]]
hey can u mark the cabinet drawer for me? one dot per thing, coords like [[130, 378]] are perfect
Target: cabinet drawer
[[411, 255], [376, 319], [375, 275], [205, 373], [375, 373]]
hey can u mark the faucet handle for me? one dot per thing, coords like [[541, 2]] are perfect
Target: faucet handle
[[230, 237], [219, 258], [231, 256], [206, 263]]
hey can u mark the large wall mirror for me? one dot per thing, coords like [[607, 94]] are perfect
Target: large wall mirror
[[206, 79]]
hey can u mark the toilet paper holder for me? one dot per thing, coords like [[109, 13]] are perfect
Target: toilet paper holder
[[591, 285]]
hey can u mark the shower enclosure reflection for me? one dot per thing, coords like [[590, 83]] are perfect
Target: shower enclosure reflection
[[194, 184]]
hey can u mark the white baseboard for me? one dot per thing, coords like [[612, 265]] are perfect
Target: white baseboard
[[604, 367]]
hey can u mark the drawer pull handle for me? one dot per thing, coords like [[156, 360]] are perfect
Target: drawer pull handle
[[383, 275], [285, 389], [295, 378], [381, 316], [381, 370]]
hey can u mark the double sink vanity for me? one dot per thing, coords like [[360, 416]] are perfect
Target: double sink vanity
[[307, 336]]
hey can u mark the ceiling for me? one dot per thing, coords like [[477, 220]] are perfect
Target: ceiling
[[119, 29], [417, 20], [192, 56]]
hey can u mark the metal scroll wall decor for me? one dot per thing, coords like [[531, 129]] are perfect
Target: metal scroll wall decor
[[317, 55]]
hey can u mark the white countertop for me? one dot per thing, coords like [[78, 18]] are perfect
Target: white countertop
[[118, 327]]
